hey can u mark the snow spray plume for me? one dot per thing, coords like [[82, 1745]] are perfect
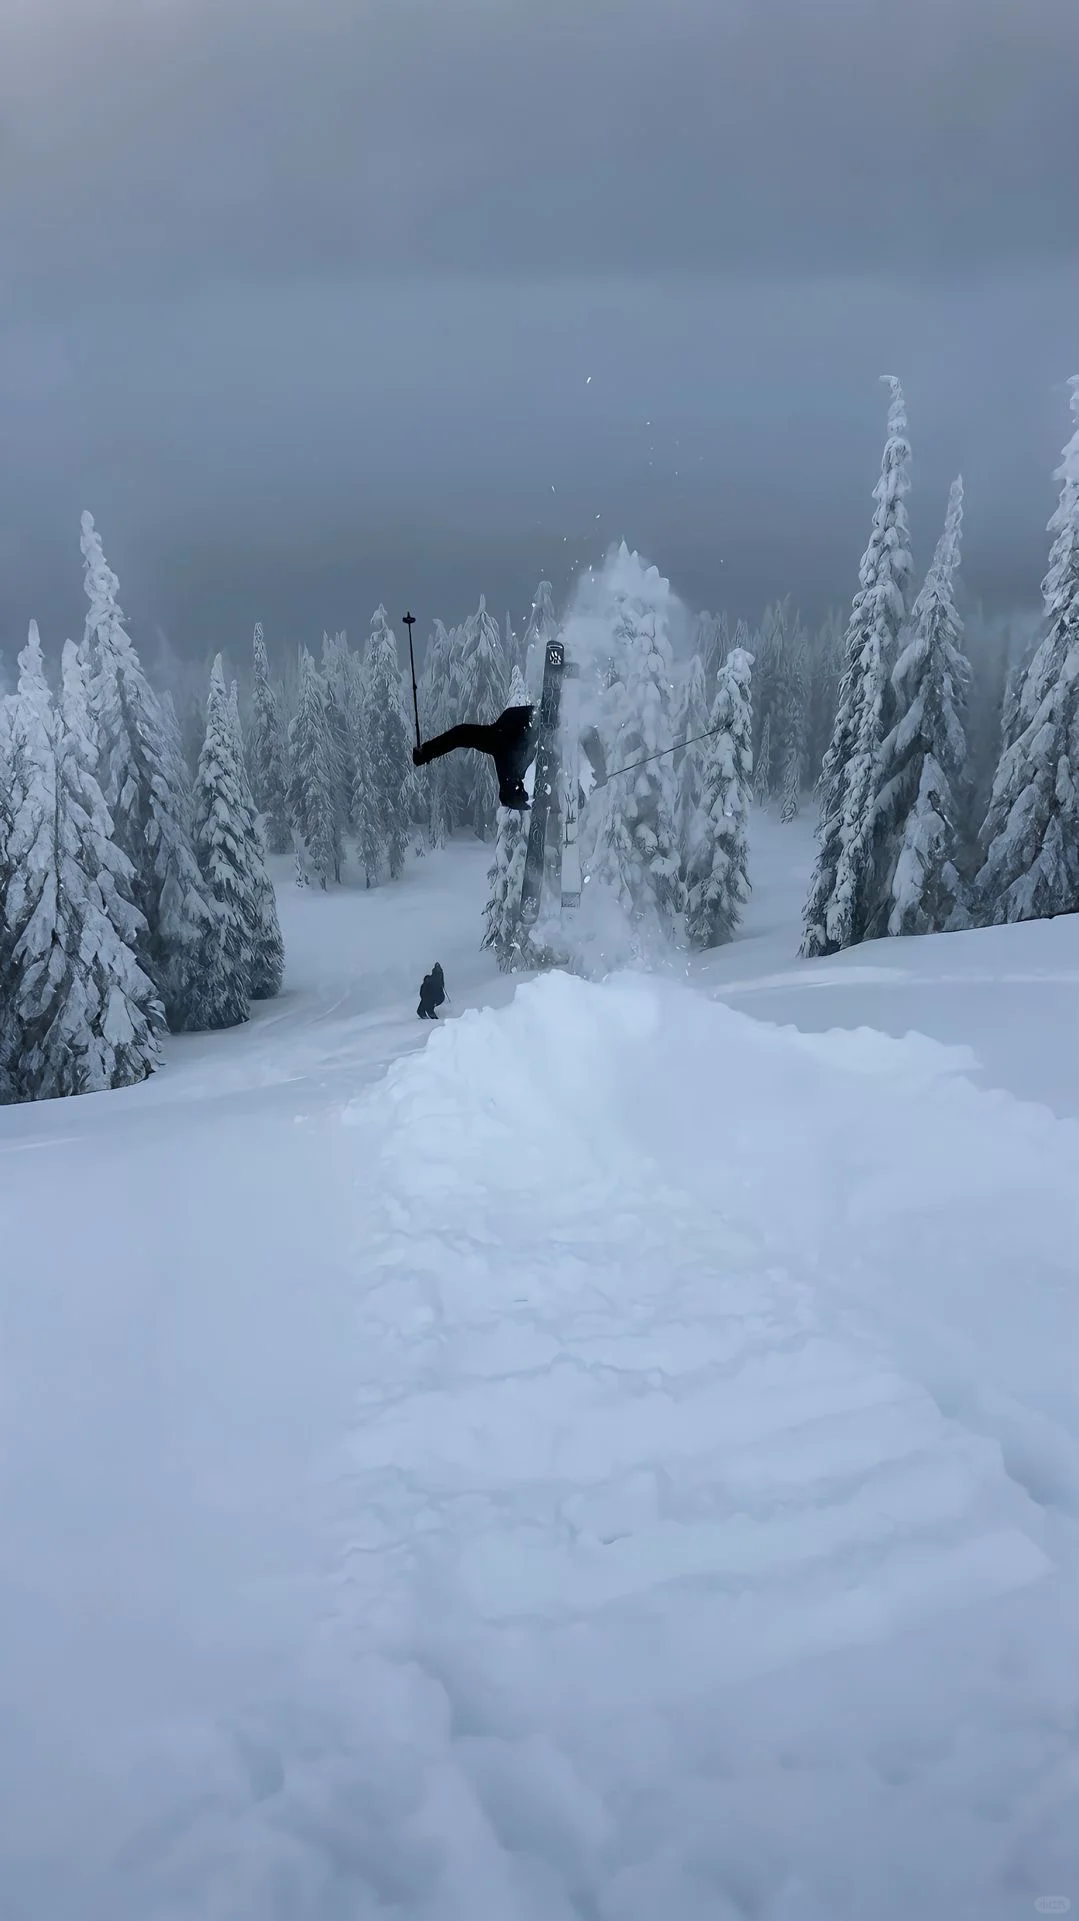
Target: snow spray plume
[[593, 611]]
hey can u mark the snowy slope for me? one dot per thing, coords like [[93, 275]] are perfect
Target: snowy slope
[[622, 1460], [1008, 993]]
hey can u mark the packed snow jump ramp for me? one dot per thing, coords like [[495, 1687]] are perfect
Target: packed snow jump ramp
[[691, 1465]]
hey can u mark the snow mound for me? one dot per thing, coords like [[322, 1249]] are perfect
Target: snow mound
[[701, 1538], [711, 1554]]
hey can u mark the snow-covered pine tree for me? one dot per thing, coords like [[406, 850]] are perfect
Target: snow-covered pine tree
[[691, 724], [337, 675], [999, 648], [792, 714], [457, 769], [792, 787], [483, 696], [313, 775], [825, 671], [221, 830], [27, 873], [717, 873], [7, 781], [635, 855], [762, 765], [144, 778], [388, 734], [81, 1013], [503, 933], [1031, 831], [269, 765], [1020, 660], [124, 1010], [769, 656], [713, 643], [923, 770], [841, 891], [266, 948], [181, 685], [366, 811]]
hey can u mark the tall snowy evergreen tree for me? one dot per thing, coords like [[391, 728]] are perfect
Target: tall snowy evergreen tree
[[1031, 832], [923, 771], [841, 892], [337, 680], [265, 946], [769, 650], [824, 672], [313, 776], [1019, 665], [762, 765], [221, 841], [269, 765], [388, 734], [691, 723], [636, 848], [791, 717], [7, 781], [483, 696], [717, 871], [995, 645], [82, 1015], [712, 641], [366, 811], [503, 933], [145, 782]]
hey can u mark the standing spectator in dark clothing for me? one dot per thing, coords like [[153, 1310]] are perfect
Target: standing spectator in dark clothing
[[432, 994]]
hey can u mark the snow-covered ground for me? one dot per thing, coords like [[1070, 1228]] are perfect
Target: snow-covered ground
[[614, 1455]]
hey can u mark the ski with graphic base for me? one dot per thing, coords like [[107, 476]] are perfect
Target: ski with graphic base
[[547, 771]]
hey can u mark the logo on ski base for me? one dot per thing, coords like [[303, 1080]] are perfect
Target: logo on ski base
[[1052, 1904]]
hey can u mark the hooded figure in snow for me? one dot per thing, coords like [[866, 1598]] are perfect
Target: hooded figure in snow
[[432, 993]]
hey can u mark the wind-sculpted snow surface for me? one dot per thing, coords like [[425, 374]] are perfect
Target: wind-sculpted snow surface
[[702, 1542], [677, 1446]]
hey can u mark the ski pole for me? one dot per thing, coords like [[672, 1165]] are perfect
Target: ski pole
[[410, 622], [662, 752]]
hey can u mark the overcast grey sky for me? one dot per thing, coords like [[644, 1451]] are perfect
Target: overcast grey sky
[[302, 297]]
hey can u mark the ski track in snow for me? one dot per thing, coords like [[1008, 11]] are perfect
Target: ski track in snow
[[637, 1468]]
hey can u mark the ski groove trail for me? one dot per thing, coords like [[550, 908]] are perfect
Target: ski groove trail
[[627, 1444]]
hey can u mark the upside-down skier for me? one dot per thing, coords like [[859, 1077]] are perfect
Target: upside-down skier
[[511, 741]]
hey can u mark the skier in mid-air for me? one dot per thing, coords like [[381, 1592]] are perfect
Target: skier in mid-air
[[432, 993], [510, 740]]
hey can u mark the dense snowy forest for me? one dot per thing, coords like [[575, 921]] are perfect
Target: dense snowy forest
[[137, 808]]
